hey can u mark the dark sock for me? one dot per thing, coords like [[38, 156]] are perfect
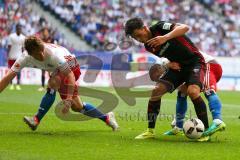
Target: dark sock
[[152, 113], [181, 109], [43, 80], [201, 110], [91, 111], [47, 101], [18, 78]]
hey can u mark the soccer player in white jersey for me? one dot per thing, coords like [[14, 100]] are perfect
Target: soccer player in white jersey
[[212, 76], [15, 50], [65, 71]]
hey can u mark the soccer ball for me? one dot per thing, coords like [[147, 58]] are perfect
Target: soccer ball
[[193, 128]]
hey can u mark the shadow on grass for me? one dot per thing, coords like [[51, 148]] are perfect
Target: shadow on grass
[[110, 136], [59, 133]]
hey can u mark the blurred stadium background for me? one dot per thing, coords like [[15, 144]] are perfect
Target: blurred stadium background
[[84, 26]]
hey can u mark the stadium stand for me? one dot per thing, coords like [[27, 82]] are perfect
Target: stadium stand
[[13, 12], [96, 21]]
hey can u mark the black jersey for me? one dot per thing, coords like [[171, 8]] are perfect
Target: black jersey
[[180, 49]]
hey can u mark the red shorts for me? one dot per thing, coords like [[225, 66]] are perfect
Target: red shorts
[[11, 62], [212, 76], [63, 90]]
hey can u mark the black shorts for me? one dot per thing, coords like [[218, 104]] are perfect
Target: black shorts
[[188, 75], [196, 75]]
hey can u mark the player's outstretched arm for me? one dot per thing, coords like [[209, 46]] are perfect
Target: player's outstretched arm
[[178, 30], [7, 79]]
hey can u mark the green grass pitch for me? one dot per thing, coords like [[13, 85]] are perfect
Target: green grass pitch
[[56, 139]]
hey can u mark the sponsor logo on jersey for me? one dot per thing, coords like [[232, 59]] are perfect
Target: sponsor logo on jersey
[[50, 65], [196, 70], [164, 48], [68, 58]]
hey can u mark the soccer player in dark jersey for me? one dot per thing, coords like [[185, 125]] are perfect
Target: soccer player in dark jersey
[[212, 76], [168, 40]]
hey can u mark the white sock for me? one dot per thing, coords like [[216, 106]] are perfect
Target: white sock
[[217, 121]]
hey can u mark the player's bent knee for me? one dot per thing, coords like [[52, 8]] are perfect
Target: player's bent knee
[[158, 92], [76, 108], [193, 91], [183, 89], [156, 96], [54, 82]]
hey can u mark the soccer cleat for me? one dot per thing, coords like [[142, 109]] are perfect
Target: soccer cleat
[[214, 128], [41, 89], [18, 88], [32, 122], [111, 121], [174, 132], [204, 139], [11, 87], [149, 133]]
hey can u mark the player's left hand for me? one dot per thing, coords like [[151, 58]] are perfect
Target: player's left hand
[[157, 41]]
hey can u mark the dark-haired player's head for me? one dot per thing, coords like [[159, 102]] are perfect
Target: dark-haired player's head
[[18, 29], [45, 32], [135, 28], [156, 71], [34, 47]]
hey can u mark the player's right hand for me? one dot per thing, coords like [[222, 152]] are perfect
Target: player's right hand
[[67, 106], [157, 41], [174, 66]]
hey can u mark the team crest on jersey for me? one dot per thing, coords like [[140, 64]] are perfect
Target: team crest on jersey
[[164, 48], [167, 26], [17, 65]]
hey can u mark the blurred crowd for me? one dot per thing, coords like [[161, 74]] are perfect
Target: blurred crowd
[[98, 21], [229, 9], [214, 24], [13, 12], [229, 13]]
